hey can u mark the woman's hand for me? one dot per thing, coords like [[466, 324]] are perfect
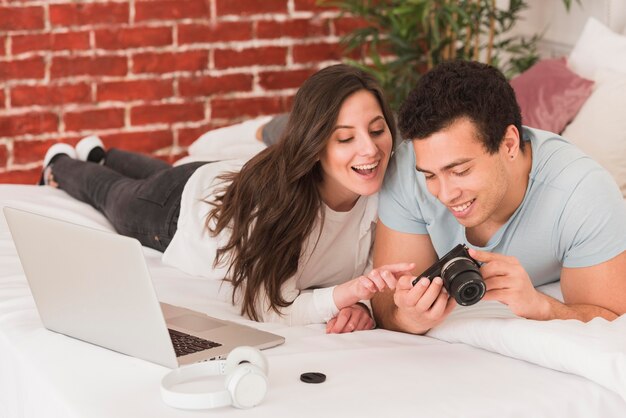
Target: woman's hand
[[364, 287], [352, 318]]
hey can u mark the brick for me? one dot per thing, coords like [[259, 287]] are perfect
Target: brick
[[2, 99], [28, 123], [21, 18], [313, 5], [134, 90], [166, 158], [74, 66], [186, 136], [145, 141], [254, 106], [175, 157], [317, 52], [218, 32], [94, 119], [3, 50], [170, 62], [47, 95], [249, 7], [4, 155], [79, 13], [288, 103], [30, 151], [228, 58], [346, 25], [297, 28], [206, 86], [276, 80], [166, 113], [66, 41], [171, 10], [20, 176], [23, 69], [133, 37]]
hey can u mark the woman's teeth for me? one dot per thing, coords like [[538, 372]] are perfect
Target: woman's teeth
[[462, 207], [365, 168]]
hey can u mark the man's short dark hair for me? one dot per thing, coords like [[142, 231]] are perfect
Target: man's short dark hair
[[457, 89]]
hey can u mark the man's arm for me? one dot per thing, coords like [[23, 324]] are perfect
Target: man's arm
[[588, 292], [413, 309]]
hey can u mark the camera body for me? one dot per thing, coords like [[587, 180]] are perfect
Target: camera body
[[460, 274]]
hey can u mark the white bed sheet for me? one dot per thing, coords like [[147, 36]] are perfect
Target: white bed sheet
[[370, 374]]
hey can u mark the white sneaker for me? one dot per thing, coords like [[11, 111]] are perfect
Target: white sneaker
[[54, 151], [91, 149]]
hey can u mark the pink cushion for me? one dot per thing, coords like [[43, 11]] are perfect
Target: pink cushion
[[550, 95]]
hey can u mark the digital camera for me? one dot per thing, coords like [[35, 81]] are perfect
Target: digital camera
[[460, 274]]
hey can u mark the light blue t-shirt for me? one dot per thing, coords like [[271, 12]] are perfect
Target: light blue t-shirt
[[572, 215]]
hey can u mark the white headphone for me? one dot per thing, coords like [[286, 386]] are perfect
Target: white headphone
[[246, 381]]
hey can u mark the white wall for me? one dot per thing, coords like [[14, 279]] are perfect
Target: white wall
[[562, 28]]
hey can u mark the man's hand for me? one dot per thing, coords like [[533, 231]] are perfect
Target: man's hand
[[350, 319], [423, 306], [508, 283]]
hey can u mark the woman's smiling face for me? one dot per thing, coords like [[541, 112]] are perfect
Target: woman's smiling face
[[356, 155]]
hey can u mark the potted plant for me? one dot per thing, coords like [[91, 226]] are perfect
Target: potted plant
[[401, 39]]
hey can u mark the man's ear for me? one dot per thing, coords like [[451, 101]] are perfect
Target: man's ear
[[511, 142]]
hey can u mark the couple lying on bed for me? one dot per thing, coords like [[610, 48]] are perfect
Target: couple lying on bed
[[293, 228]]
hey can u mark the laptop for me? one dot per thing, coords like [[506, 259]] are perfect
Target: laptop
[[95, 286]]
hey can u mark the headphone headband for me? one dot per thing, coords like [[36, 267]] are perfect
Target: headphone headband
[[246, 368]]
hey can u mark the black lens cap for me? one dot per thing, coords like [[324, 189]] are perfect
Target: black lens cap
[[313, 377]]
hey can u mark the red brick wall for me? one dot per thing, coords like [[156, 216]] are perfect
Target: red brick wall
[[149, 75]]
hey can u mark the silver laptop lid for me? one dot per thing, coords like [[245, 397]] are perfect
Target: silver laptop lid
[[91, 285]]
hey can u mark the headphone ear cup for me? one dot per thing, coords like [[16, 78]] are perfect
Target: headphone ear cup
[[245, 354], [247, 385]]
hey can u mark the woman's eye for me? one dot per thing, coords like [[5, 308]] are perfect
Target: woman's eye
[[344, 140], [462, 173], [377, 133]]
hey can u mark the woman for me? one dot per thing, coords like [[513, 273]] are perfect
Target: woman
[[290, 228]]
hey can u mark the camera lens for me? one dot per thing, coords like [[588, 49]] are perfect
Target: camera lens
[[463, 281], [469, 292]]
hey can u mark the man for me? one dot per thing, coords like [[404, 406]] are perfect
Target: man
[[531, 207]]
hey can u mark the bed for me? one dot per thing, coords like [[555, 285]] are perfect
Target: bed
[[482, 363]]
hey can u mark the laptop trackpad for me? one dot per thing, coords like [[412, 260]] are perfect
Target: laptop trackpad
[[195, 322]]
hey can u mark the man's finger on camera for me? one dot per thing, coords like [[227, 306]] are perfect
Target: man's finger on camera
[[497, 282], [434, 289], [497, 268], [442, 306]]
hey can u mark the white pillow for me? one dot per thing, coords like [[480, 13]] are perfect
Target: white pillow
[[598, 47], [236, 141], [599, 129]]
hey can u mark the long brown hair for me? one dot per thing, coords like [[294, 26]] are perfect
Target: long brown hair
[[270, 207]]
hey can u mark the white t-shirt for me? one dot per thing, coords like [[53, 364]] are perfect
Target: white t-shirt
[[341, 253]]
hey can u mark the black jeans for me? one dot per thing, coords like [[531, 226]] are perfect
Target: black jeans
[[138, 194]]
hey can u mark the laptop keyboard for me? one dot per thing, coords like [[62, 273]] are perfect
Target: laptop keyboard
[[186, 344]]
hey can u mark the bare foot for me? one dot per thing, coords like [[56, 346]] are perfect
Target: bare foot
[[259, 133], [49, 178]]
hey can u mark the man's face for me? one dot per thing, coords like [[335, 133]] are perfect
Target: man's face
[[460, 172]]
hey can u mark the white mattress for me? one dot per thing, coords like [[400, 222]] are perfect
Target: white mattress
[[370, 374]]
